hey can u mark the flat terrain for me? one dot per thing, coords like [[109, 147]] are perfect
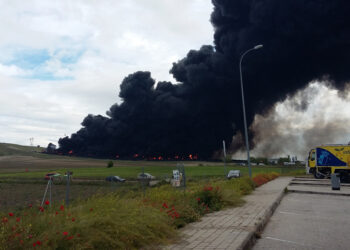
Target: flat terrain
[[309, 220], [22, 171]]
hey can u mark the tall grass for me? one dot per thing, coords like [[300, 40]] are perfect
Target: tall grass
[[121, 221]]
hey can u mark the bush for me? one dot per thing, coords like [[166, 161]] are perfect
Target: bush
[[110, 164], [261, 179]]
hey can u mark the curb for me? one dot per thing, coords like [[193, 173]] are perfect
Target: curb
[[315, 192], [251, 238]]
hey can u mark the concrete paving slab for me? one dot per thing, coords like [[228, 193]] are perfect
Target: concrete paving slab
[[235, 228], [308, 221], [326, 190]]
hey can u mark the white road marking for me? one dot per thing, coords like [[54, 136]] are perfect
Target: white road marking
[[291, 242], [283, 212]]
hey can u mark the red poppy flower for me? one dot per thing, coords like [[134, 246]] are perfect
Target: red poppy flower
[[198, 199], [47, 202], [62, 208], [70, 237], [73, 219], [41, 209], [4, 220], [30, 205], [11, 214], [34, 244], [38, 243], [78, 235], [65, 233], [18, 219], [165, 205]]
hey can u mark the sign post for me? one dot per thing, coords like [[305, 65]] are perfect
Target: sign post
[[224, 149]]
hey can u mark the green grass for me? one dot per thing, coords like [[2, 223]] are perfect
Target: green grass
[[14, 149], [161, 172]]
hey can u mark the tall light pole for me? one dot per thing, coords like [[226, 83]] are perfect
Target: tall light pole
[[244, 116]]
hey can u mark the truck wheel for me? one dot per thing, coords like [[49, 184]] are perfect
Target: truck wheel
[[318, 175]]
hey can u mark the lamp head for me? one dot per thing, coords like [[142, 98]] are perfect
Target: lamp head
[[258, 46]]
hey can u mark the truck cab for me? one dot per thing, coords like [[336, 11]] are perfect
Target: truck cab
[[311, 165], [328, 159]]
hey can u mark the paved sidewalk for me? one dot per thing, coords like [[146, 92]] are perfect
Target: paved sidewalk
[[235, 228]]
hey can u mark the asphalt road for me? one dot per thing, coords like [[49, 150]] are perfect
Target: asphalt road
[[308, 221]]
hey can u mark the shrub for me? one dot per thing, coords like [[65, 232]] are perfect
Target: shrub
[[207, 199], [110, 164], [261, 179]]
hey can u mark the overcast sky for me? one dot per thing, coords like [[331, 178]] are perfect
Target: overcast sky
[[61, 60]]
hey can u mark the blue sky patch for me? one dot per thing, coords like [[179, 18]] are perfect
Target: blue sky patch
[[29, 58], [35, 61]]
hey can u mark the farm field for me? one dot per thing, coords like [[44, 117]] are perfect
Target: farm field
[[22, 171]]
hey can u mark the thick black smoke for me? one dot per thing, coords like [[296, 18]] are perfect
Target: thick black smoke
[[304, 40]]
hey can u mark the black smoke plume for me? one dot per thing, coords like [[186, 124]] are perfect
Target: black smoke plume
[[304, 40]]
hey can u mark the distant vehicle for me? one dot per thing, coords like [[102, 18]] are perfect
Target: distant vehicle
[[145, 176], [329, 159], [233, 174], [114, 179], [52, 176]]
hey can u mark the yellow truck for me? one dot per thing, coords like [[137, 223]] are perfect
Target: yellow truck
[[329, 159]]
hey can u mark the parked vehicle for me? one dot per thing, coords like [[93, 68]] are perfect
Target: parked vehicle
[[329, 159], [53, 176], [234, 174], [114, 179], [145, 176]]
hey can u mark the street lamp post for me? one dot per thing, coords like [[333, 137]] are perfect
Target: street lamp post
[[244, 115]]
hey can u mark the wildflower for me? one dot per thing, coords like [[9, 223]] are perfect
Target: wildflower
[[73, 219], [21, 242], [47, 203], [78, 235], [170, 210], [38, 242], [11, 214], [30, 236], [91, 209], [65, 233], [41, 209], [198, 199], [165, 205], [18, 219], [62, 208], [34, 244], [30, 205], [4, 220], [56, 212], [70, 237]]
